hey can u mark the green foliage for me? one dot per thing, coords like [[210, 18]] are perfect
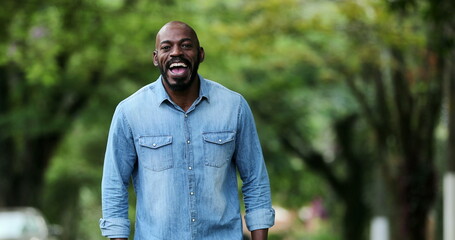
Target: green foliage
[[66, 64]]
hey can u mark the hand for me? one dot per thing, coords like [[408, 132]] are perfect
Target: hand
[[259, 234]]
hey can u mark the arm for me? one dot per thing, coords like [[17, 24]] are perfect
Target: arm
[[251, 166], [119, 163], [260, 234]]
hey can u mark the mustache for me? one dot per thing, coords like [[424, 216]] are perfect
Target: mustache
[[176, 60]]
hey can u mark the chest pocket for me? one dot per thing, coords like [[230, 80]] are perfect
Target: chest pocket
[[218, 148], [156, 152]]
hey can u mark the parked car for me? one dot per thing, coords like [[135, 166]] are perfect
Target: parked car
[[23, 223]]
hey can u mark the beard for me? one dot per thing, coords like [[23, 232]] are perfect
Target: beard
[[180, 83]]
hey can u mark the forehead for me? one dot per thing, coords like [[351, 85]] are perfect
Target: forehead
[[175, 33]]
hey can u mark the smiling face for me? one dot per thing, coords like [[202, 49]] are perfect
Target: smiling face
[[177, 55]]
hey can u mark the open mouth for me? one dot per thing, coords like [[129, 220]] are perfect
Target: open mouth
[[178, 68]]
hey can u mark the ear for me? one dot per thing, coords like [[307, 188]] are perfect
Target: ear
[[201, 54], [155, 58]]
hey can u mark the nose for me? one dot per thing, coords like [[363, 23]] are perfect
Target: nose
[[176, 51]]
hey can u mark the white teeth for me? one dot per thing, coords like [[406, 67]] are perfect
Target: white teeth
[[178, 65]]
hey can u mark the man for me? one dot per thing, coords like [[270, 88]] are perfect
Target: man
[[181, 139]]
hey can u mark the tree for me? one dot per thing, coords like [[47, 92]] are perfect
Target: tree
[[404, 109], [57, 55]]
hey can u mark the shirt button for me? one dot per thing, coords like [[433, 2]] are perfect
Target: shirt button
[[186, 115], [193, 219], [219, 140], [191, 193], [189, 168], [154, 144], [188, 141]]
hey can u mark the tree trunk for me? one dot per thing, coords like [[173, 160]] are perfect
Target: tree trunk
[[350, 189], [449, 175], [23, 171], [415, 198]]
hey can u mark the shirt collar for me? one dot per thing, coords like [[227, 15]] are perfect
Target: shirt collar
[[163, 96], [204, 89]]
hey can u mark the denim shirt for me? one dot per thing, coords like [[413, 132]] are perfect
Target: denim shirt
[[184, 167]]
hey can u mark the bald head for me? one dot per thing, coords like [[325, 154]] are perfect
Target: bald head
[[175, 26]]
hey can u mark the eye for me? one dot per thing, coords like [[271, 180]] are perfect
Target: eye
[[187, 45], [165, 47]]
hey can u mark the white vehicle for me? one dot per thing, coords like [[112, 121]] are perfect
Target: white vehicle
[[24, 223]]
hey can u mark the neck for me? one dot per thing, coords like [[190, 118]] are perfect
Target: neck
[[184, 98]]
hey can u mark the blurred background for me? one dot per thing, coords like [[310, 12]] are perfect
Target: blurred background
[[354, 103]]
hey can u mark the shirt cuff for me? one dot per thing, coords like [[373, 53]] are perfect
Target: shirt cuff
[[260, 219], [115, 227]]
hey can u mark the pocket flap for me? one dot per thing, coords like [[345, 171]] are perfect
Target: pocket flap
[[155, 141], [218, 137]]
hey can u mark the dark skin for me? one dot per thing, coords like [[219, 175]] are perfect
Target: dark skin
[[178, 43]]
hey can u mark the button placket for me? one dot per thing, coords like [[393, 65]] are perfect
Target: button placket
[[191, 174]]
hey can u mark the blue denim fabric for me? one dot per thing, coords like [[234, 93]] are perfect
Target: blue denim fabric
[[184, 167]]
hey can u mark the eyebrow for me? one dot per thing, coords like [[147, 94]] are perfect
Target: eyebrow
[[181, 40]]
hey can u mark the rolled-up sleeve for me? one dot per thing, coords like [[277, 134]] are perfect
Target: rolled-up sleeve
[[119, 163], [260, 219], [250, 163], [115, 227]]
